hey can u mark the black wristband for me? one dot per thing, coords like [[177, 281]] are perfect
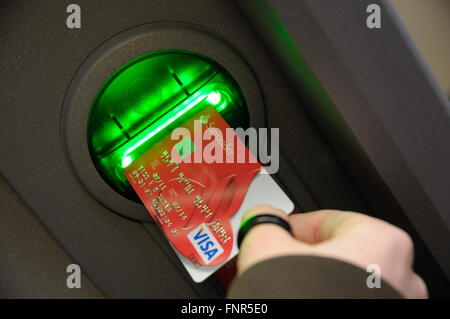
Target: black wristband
[[261, 219]]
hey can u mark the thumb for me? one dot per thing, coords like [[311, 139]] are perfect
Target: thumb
[[322, 225]]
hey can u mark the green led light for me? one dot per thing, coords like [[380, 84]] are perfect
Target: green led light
[[148, 97], [169, 118], [221, 107], [126, 161], [213, 98]]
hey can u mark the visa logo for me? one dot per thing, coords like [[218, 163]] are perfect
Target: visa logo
[[205, 243]]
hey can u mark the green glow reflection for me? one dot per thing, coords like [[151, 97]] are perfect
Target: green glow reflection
[[145, 99]]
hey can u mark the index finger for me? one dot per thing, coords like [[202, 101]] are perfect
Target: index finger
[[318, 226]]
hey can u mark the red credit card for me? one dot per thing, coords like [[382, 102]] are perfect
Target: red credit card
[[192, 202]]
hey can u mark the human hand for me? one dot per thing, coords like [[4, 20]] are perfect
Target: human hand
[[347, 236]]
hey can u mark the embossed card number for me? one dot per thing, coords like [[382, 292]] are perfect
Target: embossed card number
[[193, 202]]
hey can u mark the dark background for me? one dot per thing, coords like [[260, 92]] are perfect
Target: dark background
[[49, 219]]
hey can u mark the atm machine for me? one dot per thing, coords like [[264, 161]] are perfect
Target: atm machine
[[364, 126]]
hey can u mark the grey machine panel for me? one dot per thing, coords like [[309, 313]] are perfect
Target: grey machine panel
[[123, 257], [379, 107]]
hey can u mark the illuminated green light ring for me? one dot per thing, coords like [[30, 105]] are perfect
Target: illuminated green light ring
[[146, 98], [213, 98]]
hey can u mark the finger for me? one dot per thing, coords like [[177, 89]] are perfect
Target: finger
[[322, 225], [418, 288], [263, 209], [265, 241], [265, 234]]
